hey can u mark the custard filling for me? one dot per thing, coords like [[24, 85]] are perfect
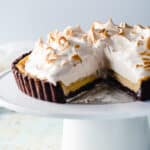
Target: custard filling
[[125, 82], [78, 84]]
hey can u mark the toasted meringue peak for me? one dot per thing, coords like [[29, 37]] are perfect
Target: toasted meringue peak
[[125, 25], [109, 25]]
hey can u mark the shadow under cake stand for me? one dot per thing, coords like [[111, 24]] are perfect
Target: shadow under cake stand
[[121, 126]]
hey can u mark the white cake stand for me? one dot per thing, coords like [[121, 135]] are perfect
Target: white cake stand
[[86, 127]]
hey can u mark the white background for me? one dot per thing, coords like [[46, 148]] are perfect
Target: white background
[[29, 19]]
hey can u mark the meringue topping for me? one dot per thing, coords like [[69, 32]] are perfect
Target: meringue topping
[[65, 57], [72, 54]]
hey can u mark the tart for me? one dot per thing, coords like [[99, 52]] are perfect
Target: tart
[[73, 60], [60, 68]]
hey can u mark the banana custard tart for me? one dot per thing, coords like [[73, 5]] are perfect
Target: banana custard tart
[[61, 67], [72, 60]]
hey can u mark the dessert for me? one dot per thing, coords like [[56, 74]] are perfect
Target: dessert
[[73, 60], [60, 67]]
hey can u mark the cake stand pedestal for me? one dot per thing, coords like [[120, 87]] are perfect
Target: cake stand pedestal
[[128, 134], [86, 127]]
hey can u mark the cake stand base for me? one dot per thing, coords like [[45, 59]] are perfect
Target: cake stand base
[[127, 134]]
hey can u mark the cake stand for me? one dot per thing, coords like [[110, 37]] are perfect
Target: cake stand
[[121, 126]]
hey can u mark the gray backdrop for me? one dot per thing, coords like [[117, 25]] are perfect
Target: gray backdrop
[[28, 19]]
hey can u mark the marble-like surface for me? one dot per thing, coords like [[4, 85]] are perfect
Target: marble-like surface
[[26, 132]]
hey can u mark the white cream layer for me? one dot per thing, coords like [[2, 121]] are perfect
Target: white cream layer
[[124, 47], [124, 59]]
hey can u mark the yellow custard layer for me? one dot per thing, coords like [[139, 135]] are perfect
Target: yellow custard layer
[[125, 82], [78, 84]]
